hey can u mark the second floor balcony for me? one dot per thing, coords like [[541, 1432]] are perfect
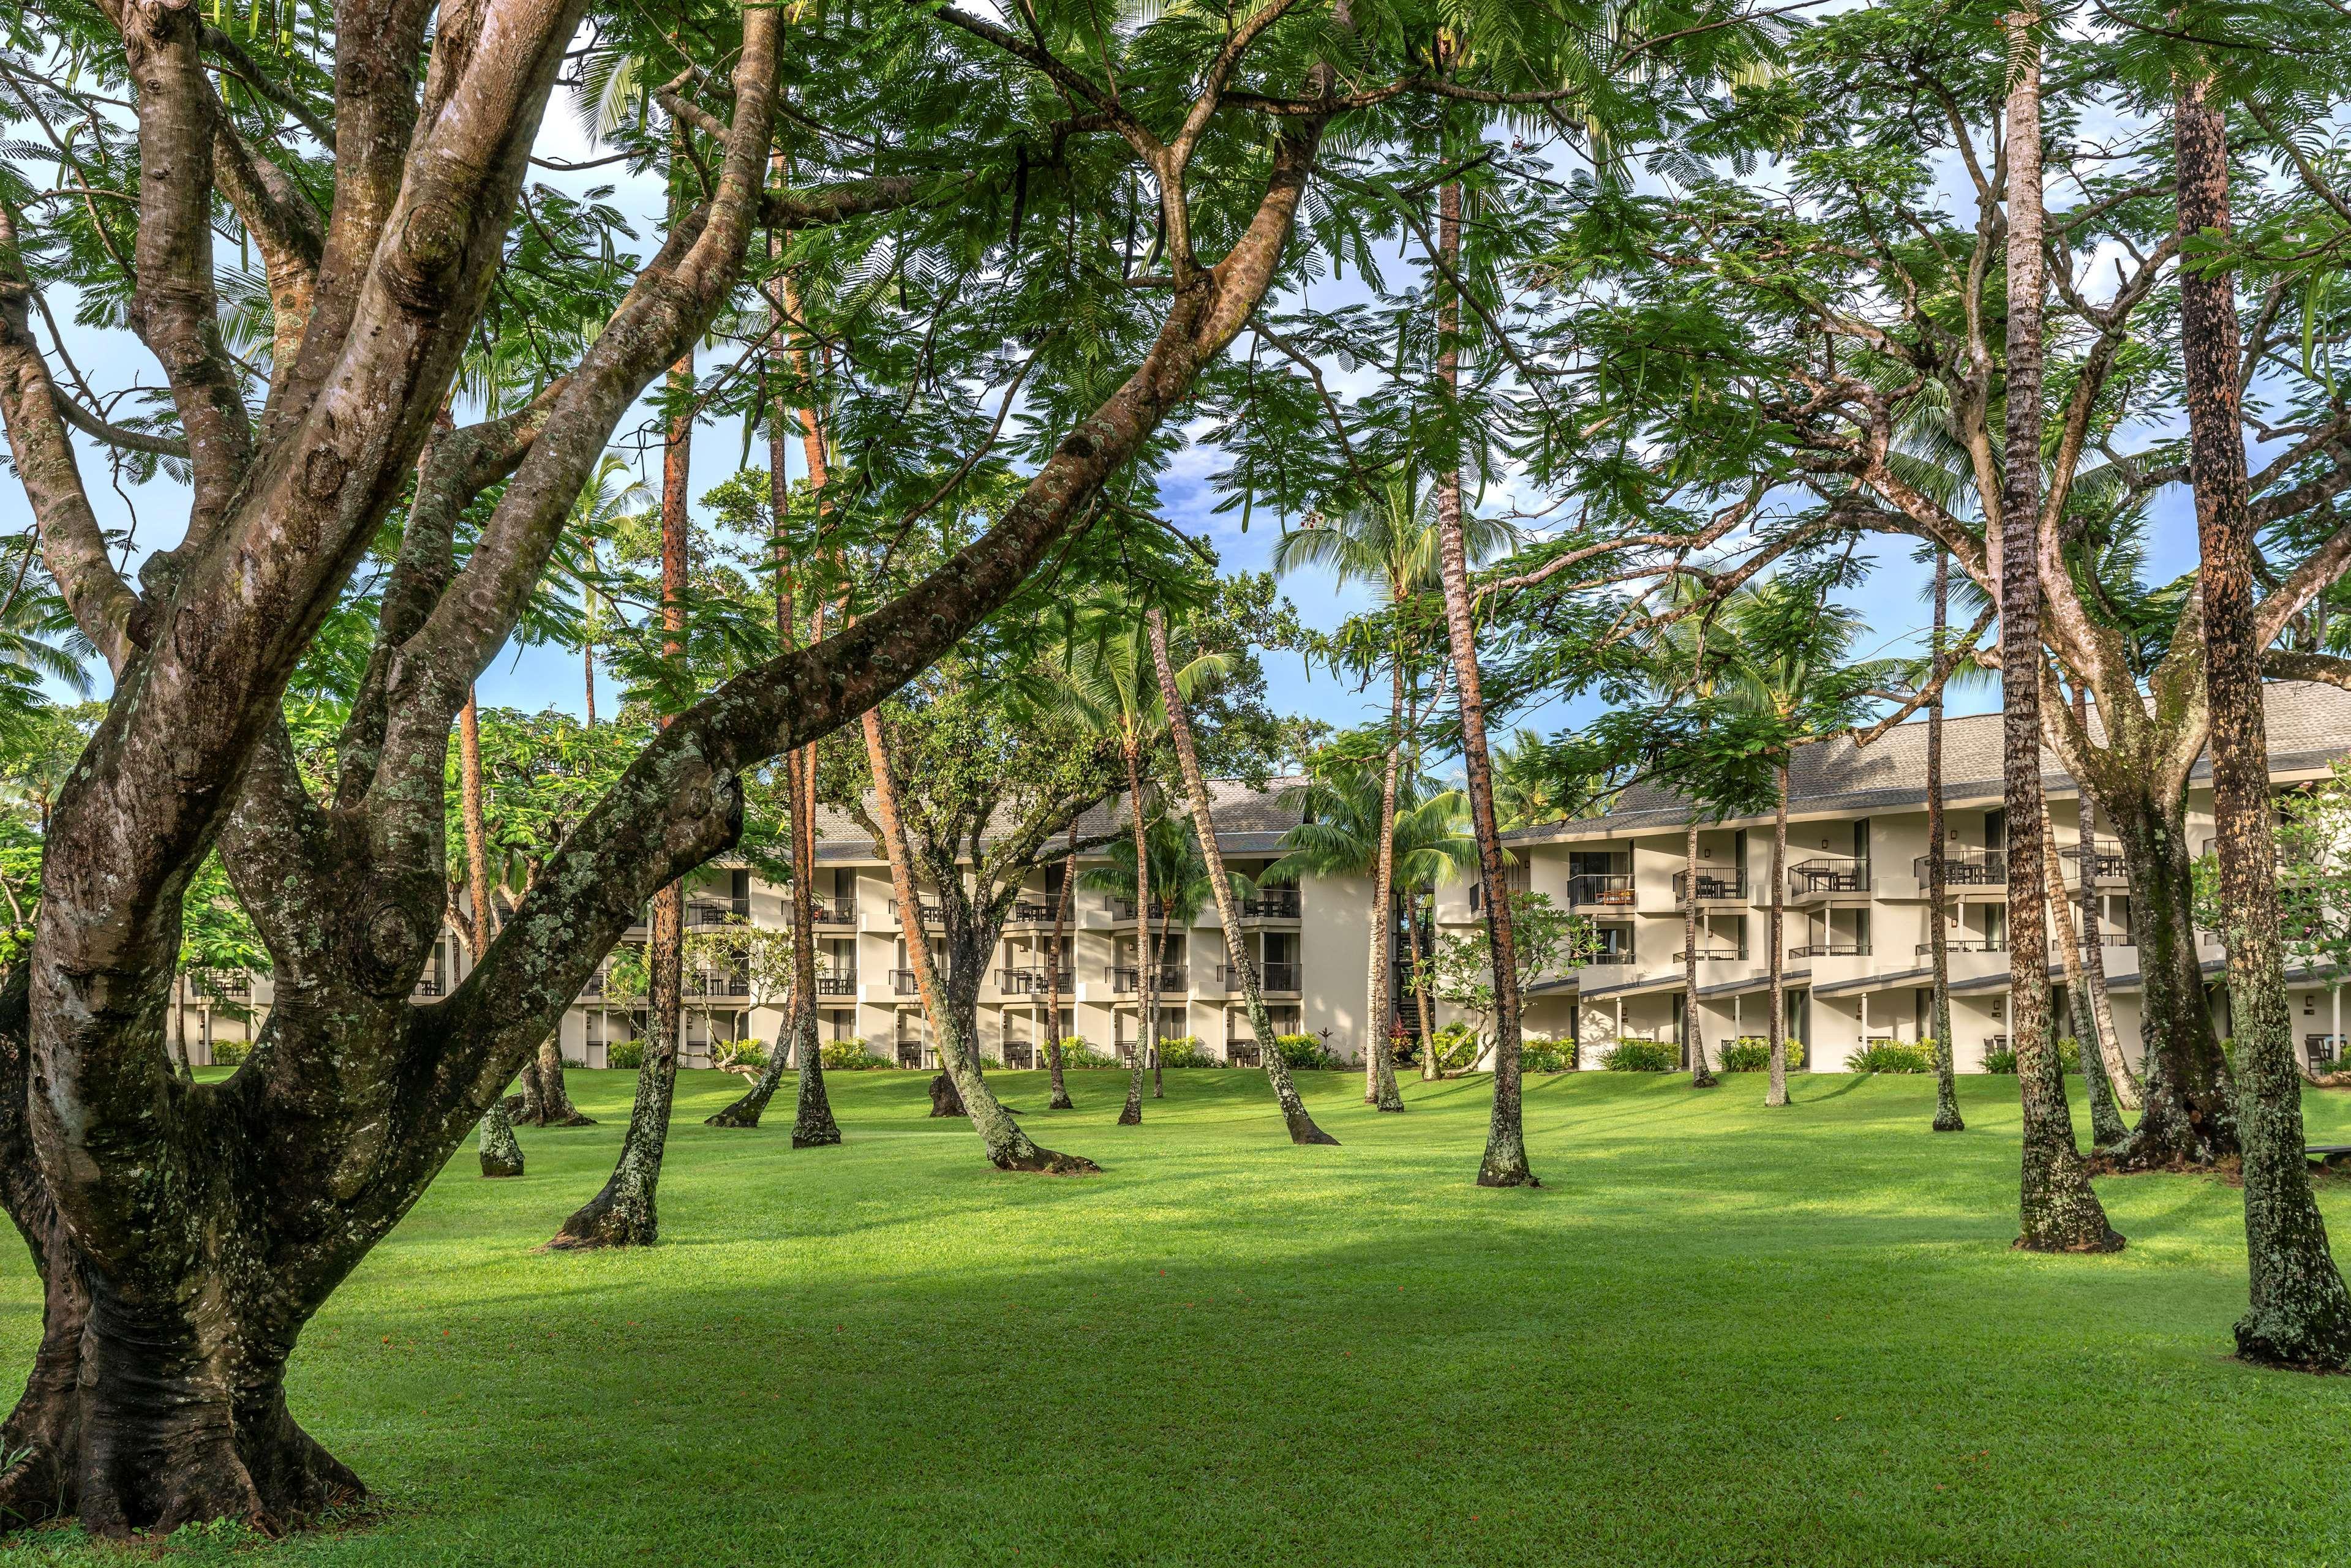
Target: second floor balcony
[[704, 912], [1270, 977], [1965, 868], [1272, 904], [716, 982], [1126, 981], [1712, 953], [1600, 890], [1713, 886], [930, 913], [1034, 912], [839, 910], [1612, 956], [1831, 949], [836, 985], [1022, 981], [902, 983], [2101, 859], [1967, 945], [1826, 876]]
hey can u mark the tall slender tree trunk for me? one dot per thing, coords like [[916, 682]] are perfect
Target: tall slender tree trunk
[[2107, 1129], [1429, 1073], [2299, 1314], [2120, 1079], [1301, 1126], [2059, 1210], [1147, 979], [1009, 1149], [1505, 1162], [1947, 1087], [627, 1213], [1380, 1089], [1776, 1027], [1693, 1032], [1158, 969], [1061, 906]]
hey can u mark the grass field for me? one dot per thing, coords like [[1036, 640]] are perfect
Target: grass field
[[1718, 1334]]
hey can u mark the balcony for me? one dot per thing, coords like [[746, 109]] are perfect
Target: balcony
[[1612, 955], [1967, 868], [1967, 945], [902, 983], [230, 988], [716, 982], [736, 912], [1029, 913], [1600, 890], [1828, 876], [1128, 981], [428, 985], [836, 985], [1021, 982], [1270, 976], [837, 911], [1715, 955], [1713, 886], [2103, 858], [1831, 950], [930, 913], [1123, 908], [1272, 904]]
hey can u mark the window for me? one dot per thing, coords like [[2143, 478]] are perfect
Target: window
[[1861, 840]]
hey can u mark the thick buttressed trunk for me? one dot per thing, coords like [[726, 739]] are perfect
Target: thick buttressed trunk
[[1947, 1087], [547, 1100], [2189, 1116], [1060, 1097], [146, 1412], [1693, 1033], [945, 1100], [501, 1155], [1776, 929], [2060, 1212], [627, 1213], [2299, 1314], [1505, 1161], [1301, 1126]]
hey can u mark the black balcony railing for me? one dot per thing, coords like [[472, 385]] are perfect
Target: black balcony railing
[[2102, 857], [1123, 908], [1711, 955], [1717, 884], [1967, 868], [593, 985], [228, 988], [902, 983], [1272, 904], [930, 913], [836, 985], [428, 985], [1831, 874], [716, 982], [1612, 955], [1967, 945], [1270, 976], [1026, 912], [836, 912], [1023, 982], [1126, 978], [1612, 889], [735, 914], [1831, 950]]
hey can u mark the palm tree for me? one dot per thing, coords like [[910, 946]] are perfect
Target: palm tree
[[1302, 1129], [1390, 544], [1432, 848], [1947, 1089], [1787, 653], [1691, 656], [1109, 686], [1177, 876]]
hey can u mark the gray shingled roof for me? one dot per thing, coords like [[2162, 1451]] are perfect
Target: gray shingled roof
[[1248, 822], [2309, 727]]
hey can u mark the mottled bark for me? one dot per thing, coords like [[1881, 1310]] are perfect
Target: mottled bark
[[2106, 1128], [554, 1108], [1693, 1032], [501, 1154], [2299, 1314], [1301, 1126], [2121, 1081], [2059, 1210], [1947, 1089]]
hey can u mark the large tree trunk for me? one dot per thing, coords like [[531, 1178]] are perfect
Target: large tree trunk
[[1776, 1028], [1947, 1087], [2107, 1129], [1009, 1149], [1301, 1126], [627, 1213], [1693, 1033], [552, 1106], [2299, 1314], [2059, 1210], [1505, 1162], [2189, 1115], [1146, 978], [1061, 906], [501, 1155]]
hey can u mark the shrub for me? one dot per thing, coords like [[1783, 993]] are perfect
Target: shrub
[[848, 1056], [2001, 1061], [1458, 1046], [1541, 1054], [229, 1053], [571, 1063], [1185, 1050], [1891, 1056], [2069, 1058], [1745, 1054], [1304, 1053], [747, 1053], [1641, 1056], [1076, 1053], [628, 1054]]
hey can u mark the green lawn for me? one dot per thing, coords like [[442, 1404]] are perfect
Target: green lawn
[[1717, 1335]]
